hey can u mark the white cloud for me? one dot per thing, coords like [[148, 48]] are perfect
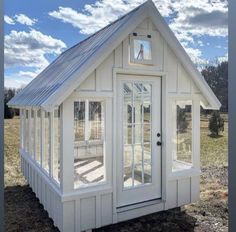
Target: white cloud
[[8, 20], [95, 16], [28, 49], [25, 20], [188, 19]]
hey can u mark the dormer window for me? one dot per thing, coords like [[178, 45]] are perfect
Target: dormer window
[[140, 49]]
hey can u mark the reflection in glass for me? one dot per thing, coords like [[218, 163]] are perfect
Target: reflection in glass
[[183, 157], [46, 141], [38, 136], [57, 147], [79, 120], [142, 49]]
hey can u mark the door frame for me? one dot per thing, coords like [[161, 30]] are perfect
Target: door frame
[[164, 132]]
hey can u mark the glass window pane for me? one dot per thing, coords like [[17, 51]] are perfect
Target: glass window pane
[[127, 103], [32, 127], [128, 154], [89, 143], [46, 141], [138, 165], [26, 130], [57, 145], [95, 121], [137, 133], [183, 156], [142, 49], [38, 136], [147, 163], [79, 120]]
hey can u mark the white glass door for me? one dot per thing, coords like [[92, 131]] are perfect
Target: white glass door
[[139, 156]]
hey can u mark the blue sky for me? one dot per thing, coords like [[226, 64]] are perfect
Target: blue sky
[[36, 32]]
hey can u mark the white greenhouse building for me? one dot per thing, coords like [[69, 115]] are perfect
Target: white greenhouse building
[[110, 130]]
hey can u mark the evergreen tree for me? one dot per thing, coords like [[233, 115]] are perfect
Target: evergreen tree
[[182, 123], [216, 123]]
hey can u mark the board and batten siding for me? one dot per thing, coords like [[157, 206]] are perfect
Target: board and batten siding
[[77, 211]]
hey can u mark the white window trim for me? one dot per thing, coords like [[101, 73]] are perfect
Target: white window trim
[[195, 167]]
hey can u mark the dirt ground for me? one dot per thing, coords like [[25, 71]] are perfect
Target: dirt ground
[[24, 213]]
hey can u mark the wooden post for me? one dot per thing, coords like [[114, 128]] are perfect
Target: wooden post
[[67, 147]]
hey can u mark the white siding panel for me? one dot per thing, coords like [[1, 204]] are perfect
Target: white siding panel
[[184, 193], [89, 83], [184, 81], [106, 209], [88, 213], [158, 50], [104, 74], [68, 216], [194, 88], [144, 24], [195, 188], [172, 200], [118, 56], [171, 67]]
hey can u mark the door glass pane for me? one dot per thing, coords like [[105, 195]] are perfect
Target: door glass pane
[[137, 133], [127, 166], [147, 163], [138, 165]]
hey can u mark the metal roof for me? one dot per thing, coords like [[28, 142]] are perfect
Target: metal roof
[[69, 62]]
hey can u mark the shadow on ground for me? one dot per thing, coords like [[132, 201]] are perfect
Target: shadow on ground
[[25, 213]]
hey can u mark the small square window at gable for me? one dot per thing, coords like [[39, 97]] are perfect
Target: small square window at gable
[[141, 49]]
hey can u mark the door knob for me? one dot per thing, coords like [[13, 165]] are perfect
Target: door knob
[[158, 143], [158, 134]]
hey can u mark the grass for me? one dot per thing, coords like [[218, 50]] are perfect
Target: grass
[[25, 213]]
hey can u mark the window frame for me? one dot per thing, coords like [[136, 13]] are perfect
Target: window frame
[[131, 50], [195, 167]]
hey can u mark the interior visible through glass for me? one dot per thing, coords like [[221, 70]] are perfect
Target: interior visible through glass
[[89, 142], [137, 133], [183, 156]]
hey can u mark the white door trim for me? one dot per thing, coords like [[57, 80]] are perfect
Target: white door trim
[[143, 192], [164, 159]]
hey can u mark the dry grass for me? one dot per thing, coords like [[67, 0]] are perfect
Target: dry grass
[[24, 212]]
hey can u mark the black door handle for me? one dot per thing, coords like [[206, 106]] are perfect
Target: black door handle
[[158, 134], [158, 143]]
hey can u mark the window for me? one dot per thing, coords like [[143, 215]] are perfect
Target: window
[[38, 136], [141, 50], [26, 140], [88, 142], [57, 144], [22, 116], [31, 133], [45, 161], [182, 156]]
